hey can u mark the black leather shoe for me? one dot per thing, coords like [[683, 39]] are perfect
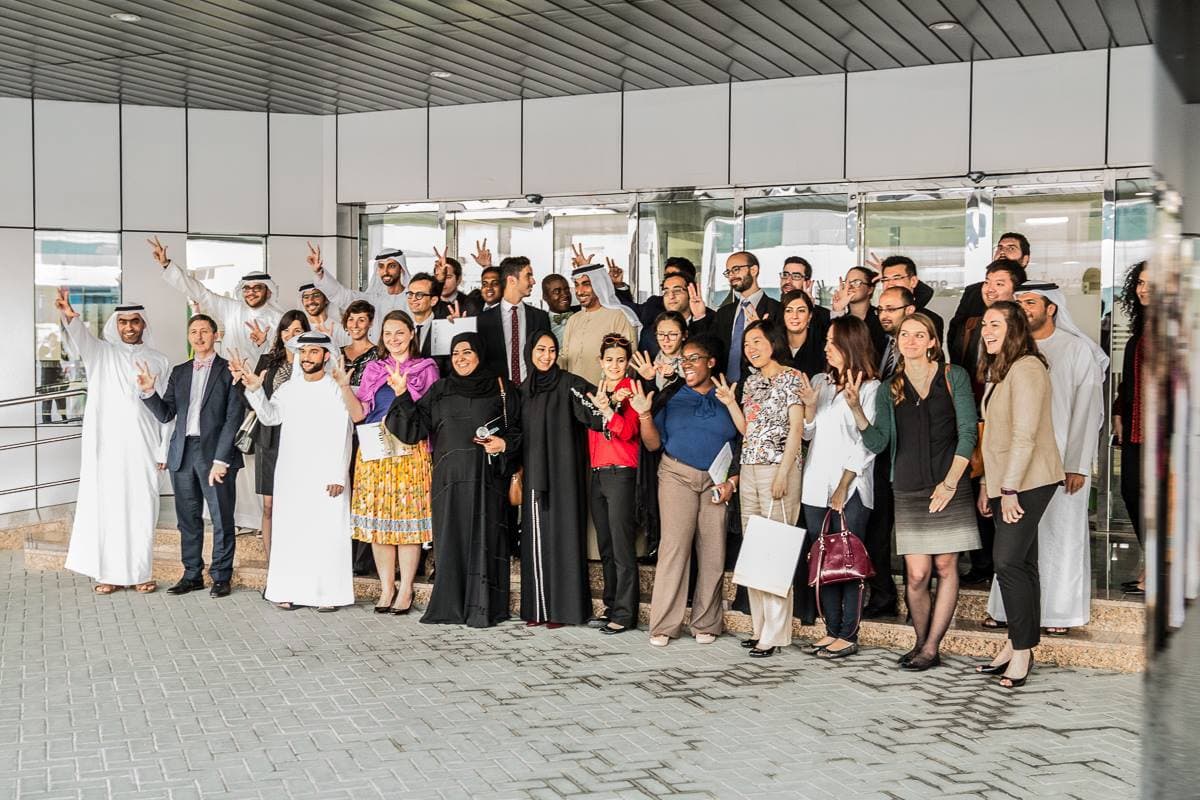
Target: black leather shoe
[[220, 589], [748, 643], [611, 631], [651, 557], [764, 652], [186, 585], [598, 621], [843, 653]]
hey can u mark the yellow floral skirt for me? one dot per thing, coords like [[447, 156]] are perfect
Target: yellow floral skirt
[[391, 502]]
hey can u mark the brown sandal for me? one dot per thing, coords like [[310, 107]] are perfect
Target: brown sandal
[[149, 587], [104, 588]]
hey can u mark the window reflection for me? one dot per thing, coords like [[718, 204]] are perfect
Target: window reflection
[[700, 230], [810, 226]]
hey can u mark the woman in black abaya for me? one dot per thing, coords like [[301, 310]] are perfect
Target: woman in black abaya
[[554, 572], [471, 475]]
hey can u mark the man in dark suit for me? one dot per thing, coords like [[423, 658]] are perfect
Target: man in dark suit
[[681, 295], [901, 271], [797, 274], [506, 327], [728, 324], [208, 409], [421, 295]]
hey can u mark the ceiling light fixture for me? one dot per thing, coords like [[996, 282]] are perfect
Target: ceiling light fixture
[[943, 26], [1047, 220], [1143, 194], [437, 73], [125, 16]]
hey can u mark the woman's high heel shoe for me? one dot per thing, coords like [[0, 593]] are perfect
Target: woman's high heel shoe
[[1016, 683], [991, 669], [387, 607]]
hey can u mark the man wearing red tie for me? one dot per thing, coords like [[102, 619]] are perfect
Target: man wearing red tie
[[207, 408], [506, 327]]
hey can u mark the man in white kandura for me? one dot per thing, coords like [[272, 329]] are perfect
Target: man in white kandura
[[310, 557], [1077, 369], [385, 291], [323, 316], [247, 324], [112, 537]]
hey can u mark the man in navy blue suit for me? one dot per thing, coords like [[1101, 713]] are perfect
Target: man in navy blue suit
[[207, 408]]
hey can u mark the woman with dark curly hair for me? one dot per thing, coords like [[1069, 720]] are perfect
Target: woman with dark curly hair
[[1128, 411]]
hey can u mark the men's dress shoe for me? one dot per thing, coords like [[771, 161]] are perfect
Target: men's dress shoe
[[220, 589], [186, 585]]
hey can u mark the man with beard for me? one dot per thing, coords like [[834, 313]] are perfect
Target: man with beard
[[385, 292], [902, 271], [679, 294], [321, 316], [1078, 367], [310, 562], [600, 316], [112, 536], [248, 325], [728, 324]]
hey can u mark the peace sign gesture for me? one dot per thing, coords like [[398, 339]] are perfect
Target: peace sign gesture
[[244, 373], [258, 334], [145, 379], [453, 311], [159, 251], [440, 265], [341, 376], [808, 393], [841, 298], [726, 392], [615, 272], [639, 400], [578, 259], [62, 301], [482, 256], [874, 262], [850, 389], [600, 399], [396, 379], [696, 302], [315, 263], [643, 365], [325, 327]]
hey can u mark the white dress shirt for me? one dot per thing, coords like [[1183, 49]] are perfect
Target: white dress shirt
[[200, 375], [506, 320], [837, 445]]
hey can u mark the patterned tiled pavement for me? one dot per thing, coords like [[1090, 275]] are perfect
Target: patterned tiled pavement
[[155, 696]]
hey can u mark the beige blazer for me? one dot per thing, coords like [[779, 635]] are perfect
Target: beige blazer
[[1019, 448]]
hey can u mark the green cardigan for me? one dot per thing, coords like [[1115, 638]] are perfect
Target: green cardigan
[[879, 436]]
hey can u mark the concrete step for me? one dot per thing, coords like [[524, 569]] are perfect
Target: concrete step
[[1096, 646]]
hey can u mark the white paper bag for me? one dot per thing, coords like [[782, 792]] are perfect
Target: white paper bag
[[769, 554]]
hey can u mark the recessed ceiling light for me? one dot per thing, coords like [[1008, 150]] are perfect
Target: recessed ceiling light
[[437, 73], [124, 16], [943, 26]]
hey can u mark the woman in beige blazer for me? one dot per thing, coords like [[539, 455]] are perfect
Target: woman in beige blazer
[[1022, 469]]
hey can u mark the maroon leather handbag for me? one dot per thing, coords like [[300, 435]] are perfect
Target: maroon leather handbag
[[838, 556]]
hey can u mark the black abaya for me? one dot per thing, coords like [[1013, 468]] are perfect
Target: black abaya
[[470, 498]]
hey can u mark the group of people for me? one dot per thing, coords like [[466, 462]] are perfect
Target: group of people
[[663, 417]]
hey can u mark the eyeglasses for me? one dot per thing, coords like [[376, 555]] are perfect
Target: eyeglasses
[[857, 282], [893, 278], [736, 269], [254, 287], [615, 338], [890, 309], [668, 336], [797, 277], [694, 358], [674, 291], [417, 295]]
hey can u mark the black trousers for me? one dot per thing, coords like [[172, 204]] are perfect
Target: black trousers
[[612, 501], [191, 493], [1016, 558], [878, 539], [840, 601], [981, 559], [1131, 484]]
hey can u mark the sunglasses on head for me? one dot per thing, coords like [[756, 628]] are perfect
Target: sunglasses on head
[[615, 338]]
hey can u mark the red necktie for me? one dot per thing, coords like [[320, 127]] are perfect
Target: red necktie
[[515, 349]]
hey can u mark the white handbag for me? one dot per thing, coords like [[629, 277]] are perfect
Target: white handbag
[[769, 554]]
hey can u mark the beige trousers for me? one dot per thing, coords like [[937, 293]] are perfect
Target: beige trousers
[[770, 614], [689, 518]]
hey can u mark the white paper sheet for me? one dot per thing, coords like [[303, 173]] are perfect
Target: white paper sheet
[[719, 469], [444, 331]]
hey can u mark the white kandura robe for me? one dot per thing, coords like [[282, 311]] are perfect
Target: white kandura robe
[[1064, 537], [112, 537], [231, 315], [376, 294], [310, 555]]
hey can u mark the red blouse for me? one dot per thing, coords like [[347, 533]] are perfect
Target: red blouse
[[618, 444]]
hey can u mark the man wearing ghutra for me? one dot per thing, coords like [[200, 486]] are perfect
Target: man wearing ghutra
[[247, 324], [601, 314], [310, 562], [385, 292], [1077, 369], [322, 315], [112, 536]]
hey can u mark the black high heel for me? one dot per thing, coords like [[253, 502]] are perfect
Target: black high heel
[[387, 607], [765, 652], [989, 669], [748, 643], [1016, 683]]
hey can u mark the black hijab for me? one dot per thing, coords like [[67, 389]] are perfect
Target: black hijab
[[482, 382], [540, 382]]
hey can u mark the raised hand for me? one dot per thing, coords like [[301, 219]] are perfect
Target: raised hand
[[440, 265], [325, 327], [578, 259], [341, 375], [874, 262], [455, 311], [841, 298], [482, 256], [696, 302], [621, 395], [315, 263], [62, 301], [145, 378], [600, 399], [639, 401], [726, 392], [258, 334], [851, 389], [396, 378], [615, 272], [808, 393], [643, 365], [159, 251]]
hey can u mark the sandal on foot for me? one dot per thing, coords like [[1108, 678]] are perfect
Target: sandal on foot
[[148, 587], [993, 624], [660, 641], [1057, 631], [104, 588]]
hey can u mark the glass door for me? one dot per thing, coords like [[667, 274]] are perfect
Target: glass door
[[818, 228], [703, 231]]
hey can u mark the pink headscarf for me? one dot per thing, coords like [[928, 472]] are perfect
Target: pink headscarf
[[421, 372]]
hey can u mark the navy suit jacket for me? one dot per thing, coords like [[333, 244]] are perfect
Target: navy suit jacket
[[221, 413], [491, 330]]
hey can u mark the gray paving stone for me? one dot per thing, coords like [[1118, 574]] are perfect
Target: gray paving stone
[[189, 699]]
